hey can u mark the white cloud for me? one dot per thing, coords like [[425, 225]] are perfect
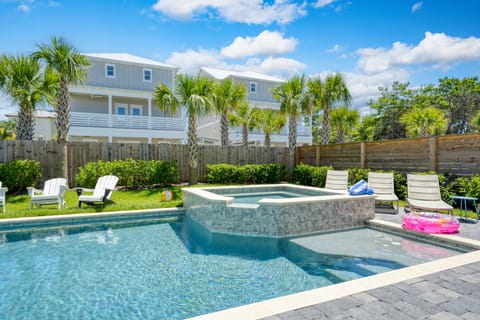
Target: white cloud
[[24, 8], [364, 87], [417, 6], [266, 43], [54, 4], [437, 49], [244, 11], [281, 67], [322, 3], [335, 48], [190, 61]]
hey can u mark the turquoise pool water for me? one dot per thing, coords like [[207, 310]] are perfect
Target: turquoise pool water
[[176, 270], [255, 197]]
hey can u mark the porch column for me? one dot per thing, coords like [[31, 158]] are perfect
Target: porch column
[[149, 113], [110, 113]]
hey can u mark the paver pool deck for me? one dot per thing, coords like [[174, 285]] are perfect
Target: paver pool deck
[[444, 289], [450, 294]]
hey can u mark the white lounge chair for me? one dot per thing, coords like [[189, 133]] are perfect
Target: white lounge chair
[[382, 185], [337, 180], [424, 193], [102, 192], [53, 192], [2, 196]]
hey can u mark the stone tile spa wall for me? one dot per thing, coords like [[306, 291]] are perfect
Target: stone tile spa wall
[[277, 217]]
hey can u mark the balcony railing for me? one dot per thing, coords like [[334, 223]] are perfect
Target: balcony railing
[[102, 120], [301, 131]]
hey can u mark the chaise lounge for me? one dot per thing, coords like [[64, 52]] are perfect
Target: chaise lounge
[[424, 193], [383, 187]]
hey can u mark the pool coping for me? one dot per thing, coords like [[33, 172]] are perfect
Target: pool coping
[[308, 298], [74, 218]]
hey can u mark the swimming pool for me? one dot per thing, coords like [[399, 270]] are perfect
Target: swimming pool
[[176, 269]]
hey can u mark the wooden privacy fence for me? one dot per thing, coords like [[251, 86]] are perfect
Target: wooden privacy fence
[[455, 154], [79, 153]]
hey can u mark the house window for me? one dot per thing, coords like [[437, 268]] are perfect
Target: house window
[[147, 75], [253, 87], [110, 70], [121, 109], [135, 110]]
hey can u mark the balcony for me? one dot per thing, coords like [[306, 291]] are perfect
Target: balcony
[[102, 120], [301, 131]]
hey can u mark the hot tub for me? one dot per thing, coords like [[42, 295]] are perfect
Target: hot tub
[[276, 210]]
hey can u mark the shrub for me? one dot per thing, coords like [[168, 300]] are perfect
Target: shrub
[[17, 175], [130, 172], [250, 173], [310, 175], [357, 174]]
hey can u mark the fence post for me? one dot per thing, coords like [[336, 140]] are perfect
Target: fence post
[[433, 154], [317, 156], [363, 155]]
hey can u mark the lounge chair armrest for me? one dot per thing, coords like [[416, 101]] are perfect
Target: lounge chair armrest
[[32, 191], [80, 191], [3, 191]]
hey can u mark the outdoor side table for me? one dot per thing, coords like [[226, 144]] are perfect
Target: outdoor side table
[[462, 202]]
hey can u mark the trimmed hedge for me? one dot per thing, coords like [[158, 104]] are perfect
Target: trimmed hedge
[[449, 184], [130, 172], [17, 175], [250, 173]]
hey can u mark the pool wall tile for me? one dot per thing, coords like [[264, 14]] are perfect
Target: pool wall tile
[[276, 217]]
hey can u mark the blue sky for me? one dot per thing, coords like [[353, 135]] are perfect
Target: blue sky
[[373, 43]]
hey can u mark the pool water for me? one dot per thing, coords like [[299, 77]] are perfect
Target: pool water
[[176, 270], [253, 198]]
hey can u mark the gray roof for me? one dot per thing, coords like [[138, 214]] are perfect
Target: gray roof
[[222, 74], [129, 58]]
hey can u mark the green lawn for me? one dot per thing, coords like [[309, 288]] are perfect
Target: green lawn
[[19, 205]]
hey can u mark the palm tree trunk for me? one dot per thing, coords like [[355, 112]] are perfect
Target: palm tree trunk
[[326, 125], [63, 125], [341, 135], [245, 135], [292, 144], [25, 128], [267, 140], [192, 150], [63, 112], [224, 127]]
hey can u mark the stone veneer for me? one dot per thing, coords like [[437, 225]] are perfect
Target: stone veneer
[[277, 217]]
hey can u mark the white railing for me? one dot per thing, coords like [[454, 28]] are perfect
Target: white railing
[[301, 131], [102, 120]]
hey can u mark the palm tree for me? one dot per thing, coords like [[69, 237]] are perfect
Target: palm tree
[[270, 121], [424, 122], [227, 96], [325, 94], [246, 117], [70, 66], [343, 120], [195, 94], [293, 103], [22, 79]]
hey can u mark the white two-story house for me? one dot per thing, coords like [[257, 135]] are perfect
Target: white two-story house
[[115, 104], [259, 95]]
